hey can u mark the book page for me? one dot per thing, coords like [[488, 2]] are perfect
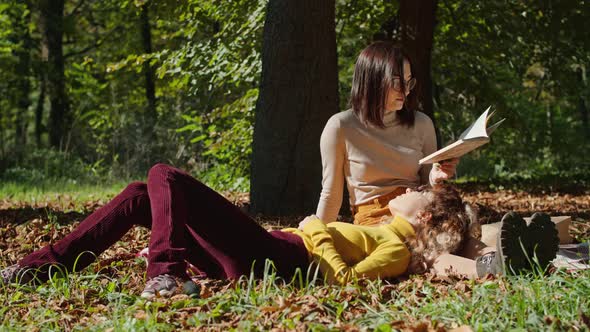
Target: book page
[[478, 128], [455, 150], [573, 257], [473, 137], [493, 127]]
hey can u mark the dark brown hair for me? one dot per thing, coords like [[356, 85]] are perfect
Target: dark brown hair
[[374, 71], [452, 222]]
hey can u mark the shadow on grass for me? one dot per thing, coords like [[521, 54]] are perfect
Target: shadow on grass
[[23, 214]]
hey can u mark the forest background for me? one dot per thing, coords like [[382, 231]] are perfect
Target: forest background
[[98, 91]]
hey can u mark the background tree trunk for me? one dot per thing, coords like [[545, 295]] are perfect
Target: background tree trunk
[[298, 94], [51, 27], [417, 21], [23, 70], [583, 110], [39, 110], [150, 86]]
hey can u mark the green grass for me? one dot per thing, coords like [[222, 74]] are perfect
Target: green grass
[[95, 302], [59, 190]]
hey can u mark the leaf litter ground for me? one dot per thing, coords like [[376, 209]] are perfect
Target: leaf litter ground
[[104, 296]]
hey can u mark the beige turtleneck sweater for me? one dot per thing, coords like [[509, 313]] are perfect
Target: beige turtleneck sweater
[[373, 161]]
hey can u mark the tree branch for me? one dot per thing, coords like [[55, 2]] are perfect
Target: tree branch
[[97, 44], [78, 6]]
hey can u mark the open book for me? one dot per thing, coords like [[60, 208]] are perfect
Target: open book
[[475, 136]]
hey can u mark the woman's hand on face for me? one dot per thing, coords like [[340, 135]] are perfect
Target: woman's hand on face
[[306, 220], [443, 171]]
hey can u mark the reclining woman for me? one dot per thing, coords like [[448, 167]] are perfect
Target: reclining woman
[[192, 223]]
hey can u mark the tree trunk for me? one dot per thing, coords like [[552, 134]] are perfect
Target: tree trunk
[[583, 106], [417, 21], [23, 71], [583, 110], [51, 27], [298, 94], [2, 141], [150, 87], [39, 110]]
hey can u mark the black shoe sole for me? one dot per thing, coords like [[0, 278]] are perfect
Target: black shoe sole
[[543, 240], [512, 244]]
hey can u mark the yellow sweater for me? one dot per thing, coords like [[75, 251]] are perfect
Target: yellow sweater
[[345, 251]]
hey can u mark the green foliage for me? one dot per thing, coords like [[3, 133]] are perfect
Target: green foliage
[[529, 60], [13, 31], [40, 165], [226, 135], [222, 52], [5, 30], [219, 67], [207, 63]]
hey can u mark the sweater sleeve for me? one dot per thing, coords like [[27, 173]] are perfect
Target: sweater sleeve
[[428, 147], [389, 259], [333, 153]]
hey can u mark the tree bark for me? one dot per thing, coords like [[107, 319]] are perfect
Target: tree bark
[[583, 106], [150, 86], [2, 142], [583, 110], [39, 110], [298, 94], [417, 21], [51, 27], [23, 71]]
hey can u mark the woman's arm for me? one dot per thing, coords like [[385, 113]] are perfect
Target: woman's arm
[[388, 260], [428, 147], [333, 152], [433, 174]]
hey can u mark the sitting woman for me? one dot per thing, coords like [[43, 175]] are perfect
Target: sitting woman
[[374, 147], [192, 223]]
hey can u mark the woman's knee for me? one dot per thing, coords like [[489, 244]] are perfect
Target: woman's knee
[[162, 172], [159, 170], [136, 188]]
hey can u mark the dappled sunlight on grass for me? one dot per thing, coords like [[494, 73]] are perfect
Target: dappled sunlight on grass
[[59, 192]]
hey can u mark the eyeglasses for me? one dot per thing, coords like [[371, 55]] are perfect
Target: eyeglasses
[[410, 84]]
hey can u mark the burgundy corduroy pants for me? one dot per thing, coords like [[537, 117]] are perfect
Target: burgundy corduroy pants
[[189, 222]]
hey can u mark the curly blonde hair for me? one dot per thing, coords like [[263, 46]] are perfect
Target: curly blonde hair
[[452, 222]]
